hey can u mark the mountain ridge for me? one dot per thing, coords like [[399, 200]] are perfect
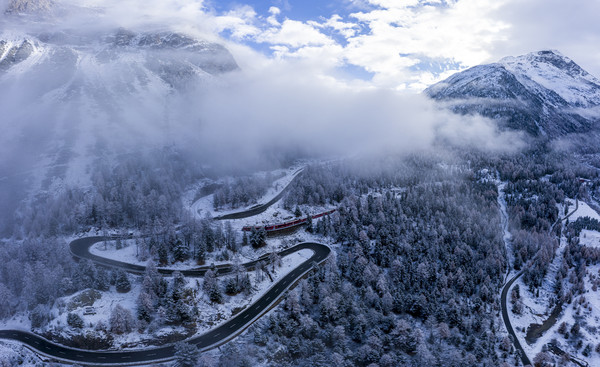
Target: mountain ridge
[[543, 93]]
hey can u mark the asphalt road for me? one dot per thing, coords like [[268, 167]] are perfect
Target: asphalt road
[[257, 209], [524, 359], [80, 248], [211, 339]]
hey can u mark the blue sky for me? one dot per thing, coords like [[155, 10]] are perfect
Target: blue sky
[[337, 30], [296, 9]]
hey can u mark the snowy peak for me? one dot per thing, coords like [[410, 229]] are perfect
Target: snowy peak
[[557, 73], [210, 57], [12, 53], [543, 93]]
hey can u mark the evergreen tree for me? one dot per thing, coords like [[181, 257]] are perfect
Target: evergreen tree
[[186, 354], [121, 320], [309, 224], [180, 251], [74, 320], [231, 287], [212, 288], [122, 282], [145, 307], [163, 254], [102, 279], [258, 237], [201, 253]]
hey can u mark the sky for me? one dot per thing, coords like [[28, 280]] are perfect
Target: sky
[[407, 44]]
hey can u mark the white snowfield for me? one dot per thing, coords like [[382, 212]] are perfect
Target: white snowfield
[[583, 210], [589, 238]]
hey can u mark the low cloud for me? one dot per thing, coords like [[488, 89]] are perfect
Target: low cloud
[[270, 105], [287, 106]]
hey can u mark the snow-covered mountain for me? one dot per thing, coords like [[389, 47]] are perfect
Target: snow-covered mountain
[[100, 76], [170, 57], [70, 98], [543, 93], [77, 92]]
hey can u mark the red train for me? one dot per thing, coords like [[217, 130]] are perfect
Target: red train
[[286, 224]]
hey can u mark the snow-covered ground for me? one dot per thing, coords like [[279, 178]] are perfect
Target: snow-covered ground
[[506, 235], [585, 309], [210, 315], [583, 210], [587, 312], [129, 252], [589, 238], [15, 354], [17, 322]]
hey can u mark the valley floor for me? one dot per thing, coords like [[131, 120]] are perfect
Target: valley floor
[[583, 309]]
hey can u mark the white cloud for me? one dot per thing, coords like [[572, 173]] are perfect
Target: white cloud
[[294, 33], [272, 19], [239, 22], [394, 40], [389, 39], [288, 104], [460, 32], [346, 29], [291, 101]]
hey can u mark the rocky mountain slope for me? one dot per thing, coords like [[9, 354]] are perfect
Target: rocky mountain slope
[[29, 6], [543, 93]]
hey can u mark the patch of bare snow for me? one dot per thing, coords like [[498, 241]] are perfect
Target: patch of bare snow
[[583, 210], [589, 238], [15, 354]]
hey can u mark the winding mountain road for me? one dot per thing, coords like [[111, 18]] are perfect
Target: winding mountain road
[[515, 340], [211, 339], [257, 209]]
